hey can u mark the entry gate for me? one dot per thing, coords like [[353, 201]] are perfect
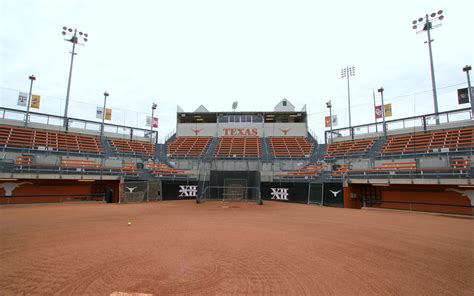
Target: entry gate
[[315, 194]]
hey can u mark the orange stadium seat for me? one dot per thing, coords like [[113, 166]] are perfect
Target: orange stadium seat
[[189, 146], [290, 146], [430, 142], [132, 147], [349, 148], [238, 147], [29, 138]]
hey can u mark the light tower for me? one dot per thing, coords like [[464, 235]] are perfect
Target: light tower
[[74, 37], [348, 72], [426, 24]]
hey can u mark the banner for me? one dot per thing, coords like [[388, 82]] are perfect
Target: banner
[[388, 110], [99, 112], [155, 121], [327, 122], [22, 99], [35, 101], [463, 95], [378, 111], [108, 114]]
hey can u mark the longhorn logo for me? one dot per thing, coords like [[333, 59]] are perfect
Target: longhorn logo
[[335, 193], [285, 130], [196, 131], [9, 187], [130, 189], [468, 193]]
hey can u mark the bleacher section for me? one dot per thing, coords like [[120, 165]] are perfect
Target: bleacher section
[[238, 147], [188, 146], [458, 166], [29, 138], [135, 148], [288, 147], [349, 148], [436, 141], [311, 170], [162, 169]]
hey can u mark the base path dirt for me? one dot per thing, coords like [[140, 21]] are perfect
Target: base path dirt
[[180, 247]]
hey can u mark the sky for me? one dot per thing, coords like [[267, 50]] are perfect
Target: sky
[[191, 52]]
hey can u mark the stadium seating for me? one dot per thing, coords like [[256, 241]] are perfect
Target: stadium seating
[[131, 147], [340, 170], [430, 142], [238, 147], [349, 148], [29, 138], [290, 147], [162, 169], [310, 170], [188, 146]]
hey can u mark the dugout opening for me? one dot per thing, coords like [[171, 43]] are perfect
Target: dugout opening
[[231, 186]]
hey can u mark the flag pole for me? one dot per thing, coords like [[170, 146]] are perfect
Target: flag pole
[[375, 115]]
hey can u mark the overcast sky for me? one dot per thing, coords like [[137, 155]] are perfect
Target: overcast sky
[[255, 52]]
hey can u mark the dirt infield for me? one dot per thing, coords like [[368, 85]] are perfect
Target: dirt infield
[[181, 247]]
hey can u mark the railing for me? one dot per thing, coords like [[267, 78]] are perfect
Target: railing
[[422, 122], [418, 173], [420, 206], [52, 198], [77, 124]]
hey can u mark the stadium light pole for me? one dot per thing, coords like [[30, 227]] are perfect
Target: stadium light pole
[[469, 90], [153, 107], [74, 37], [32, 78], [106, 94], [329, 105], [348, 72], [380, 90], [428, 23]]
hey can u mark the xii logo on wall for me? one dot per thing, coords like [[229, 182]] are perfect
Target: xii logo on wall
[[187, 190], [279, 193]]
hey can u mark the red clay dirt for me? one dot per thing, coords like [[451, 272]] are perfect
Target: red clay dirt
[[180, 247]]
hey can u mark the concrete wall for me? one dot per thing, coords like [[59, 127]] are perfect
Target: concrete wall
[[242, 129]]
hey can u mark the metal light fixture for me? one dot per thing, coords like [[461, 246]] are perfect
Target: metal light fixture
[[421, 25], [348, 72], [74, 37]]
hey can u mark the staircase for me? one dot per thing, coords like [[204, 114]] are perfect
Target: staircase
[[106, 147], [374, 150], [318, 154], [161, 153], [266, 152], [209, 154]]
